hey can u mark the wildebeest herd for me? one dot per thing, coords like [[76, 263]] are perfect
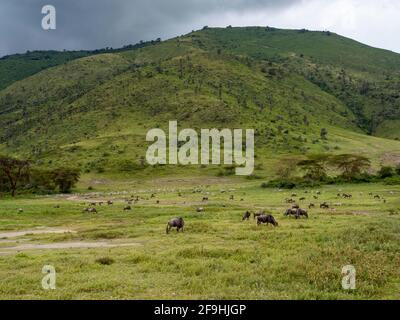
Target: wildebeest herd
[[261, 216]]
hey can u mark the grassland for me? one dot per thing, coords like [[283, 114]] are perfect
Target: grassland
[[218, 255], [93, 112]]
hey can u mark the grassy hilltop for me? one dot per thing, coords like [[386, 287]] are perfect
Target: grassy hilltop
[[287, 84]]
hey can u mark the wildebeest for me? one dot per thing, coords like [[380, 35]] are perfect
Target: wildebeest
[[20, 210], [269, 219], [90, 210], [200, 209], [301, 212], [127, 208], [302, 199], [205, 198], [347, 196], [177, 223], [291, 212], [246, 215], [290, 201], [324, 205], [294, 195], [295, 206], [312, 205], [231, 198], [109, 202], [258, 214], [377, 196]]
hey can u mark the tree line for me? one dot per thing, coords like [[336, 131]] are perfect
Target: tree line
[[330, 169], [20, 175]]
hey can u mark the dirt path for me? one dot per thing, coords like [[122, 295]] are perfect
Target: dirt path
[[66, 245], [15, 234]]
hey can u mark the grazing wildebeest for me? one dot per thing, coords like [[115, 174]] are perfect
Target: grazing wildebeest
[[290, 201], [312, 205], [347, 196], [177, 223], [56, 206], [269, 219], [324, 205], [377, 197], [290, 212], [127, 208], [295, 206], [205, 198], [302, 199], [246, 215], [90, 210], [231, 198], [301, 212], [294, 195], [109, 202], [93, 204], [20, 210], [258, 214], [315, 197], [200, 209]]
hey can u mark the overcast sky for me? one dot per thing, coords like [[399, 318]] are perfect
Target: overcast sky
[[91, 24]]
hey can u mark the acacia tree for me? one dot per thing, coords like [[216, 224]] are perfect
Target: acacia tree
[[351, 165], [315, 166], [65, 178], [286, 167], [15, 170]]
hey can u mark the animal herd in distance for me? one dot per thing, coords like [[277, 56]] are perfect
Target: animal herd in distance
[[261, 216]]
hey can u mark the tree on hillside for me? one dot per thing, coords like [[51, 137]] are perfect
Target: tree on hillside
[[351, 165], [324, 134], [15, 170], [65, 178]]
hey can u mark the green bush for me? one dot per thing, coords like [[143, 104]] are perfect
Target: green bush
[[386, 172], [392, 181]]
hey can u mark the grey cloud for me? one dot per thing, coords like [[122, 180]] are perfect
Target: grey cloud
[[90, 24]]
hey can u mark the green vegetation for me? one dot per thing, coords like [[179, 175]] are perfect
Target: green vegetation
[[18, 175], [218, 256], [325, 110], [98, 108]]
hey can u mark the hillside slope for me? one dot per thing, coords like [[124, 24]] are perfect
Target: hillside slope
[[98, 109], [366, 79]]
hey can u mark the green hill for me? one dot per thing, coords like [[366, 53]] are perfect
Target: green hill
[[287, 84], [19, 66]]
